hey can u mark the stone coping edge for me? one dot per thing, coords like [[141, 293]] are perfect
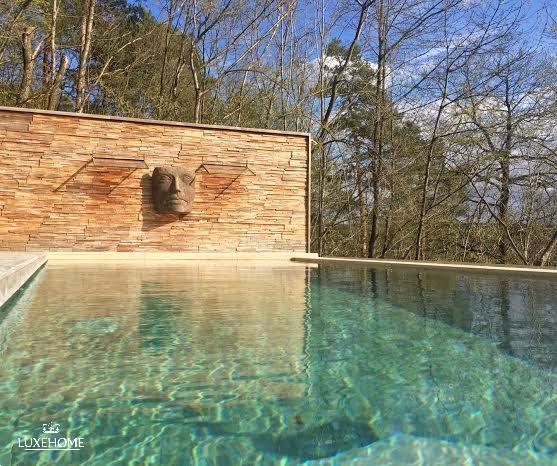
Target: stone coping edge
[[547, 271], [111, 257], [155, 122], [12, 279]]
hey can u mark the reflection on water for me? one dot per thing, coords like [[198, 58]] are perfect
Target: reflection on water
[[211, 364], [157, 318], [518, 313]]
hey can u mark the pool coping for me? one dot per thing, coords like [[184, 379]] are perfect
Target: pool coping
[[455, 266], [16, 268], [161, 257]]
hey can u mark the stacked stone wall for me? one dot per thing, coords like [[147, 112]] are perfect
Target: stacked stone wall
[[67, 184]]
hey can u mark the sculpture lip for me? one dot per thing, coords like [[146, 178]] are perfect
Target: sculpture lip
[[178, 208]]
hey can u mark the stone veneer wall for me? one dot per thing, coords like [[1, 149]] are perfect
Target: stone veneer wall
[[55, 196]]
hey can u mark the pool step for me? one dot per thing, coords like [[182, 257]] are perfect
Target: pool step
[[15, 269]]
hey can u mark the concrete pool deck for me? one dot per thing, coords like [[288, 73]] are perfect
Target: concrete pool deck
[[15, 269]]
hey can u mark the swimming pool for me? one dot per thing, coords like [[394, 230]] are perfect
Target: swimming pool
[[243, 364]]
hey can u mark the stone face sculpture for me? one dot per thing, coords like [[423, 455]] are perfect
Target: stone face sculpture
[[173, 189]]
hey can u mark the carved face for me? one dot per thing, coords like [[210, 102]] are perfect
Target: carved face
[[173, 189]]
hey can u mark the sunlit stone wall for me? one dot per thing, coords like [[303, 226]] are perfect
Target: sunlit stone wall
[[65, 186]]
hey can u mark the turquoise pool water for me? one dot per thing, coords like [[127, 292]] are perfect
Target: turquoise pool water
[[210, 364]]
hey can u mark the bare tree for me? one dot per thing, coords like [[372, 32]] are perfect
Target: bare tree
[[87, 19], [29, 54]]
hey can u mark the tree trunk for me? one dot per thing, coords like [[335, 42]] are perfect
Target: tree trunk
[[320, 199], [196, 87], [326, 113], [545, 256], [54, 99], [391, 187], [51, 73], [28, 66], [320, 148], [362, 221], [6, 33], [85, 48], [418, 244], [504, 163], [165, 54], [378, 126]]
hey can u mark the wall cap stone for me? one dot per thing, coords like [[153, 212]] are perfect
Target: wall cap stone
[[154, 122]]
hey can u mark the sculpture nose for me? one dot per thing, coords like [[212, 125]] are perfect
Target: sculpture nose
[[176, 185]]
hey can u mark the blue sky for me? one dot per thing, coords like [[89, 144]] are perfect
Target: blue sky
[[537, 14]]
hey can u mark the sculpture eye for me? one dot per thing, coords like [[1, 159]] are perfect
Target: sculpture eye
[[165, 179], [187, 179]]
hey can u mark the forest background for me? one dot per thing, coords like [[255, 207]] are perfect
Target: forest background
[[434, 122]]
